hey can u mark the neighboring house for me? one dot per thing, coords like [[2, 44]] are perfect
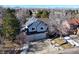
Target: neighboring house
[[74, 21], [74, 24], [35, 29], [71, 26]]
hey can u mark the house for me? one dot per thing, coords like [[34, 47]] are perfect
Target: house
[[71, 25], [35, 29], [74, 24]]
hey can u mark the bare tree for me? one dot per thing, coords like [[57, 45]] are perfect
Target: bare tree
[[58, 23]]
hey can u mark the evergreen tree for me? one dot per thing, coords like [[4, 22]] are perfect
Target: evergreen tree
[[43, 14], [10, 25]]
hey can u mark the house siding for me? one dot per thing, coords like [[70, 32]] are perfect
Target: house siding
[[37, 36]]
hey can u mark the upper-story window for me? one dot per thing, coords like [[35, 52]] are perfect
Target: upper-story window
[[0, 12], [33, 28], [41, 28]]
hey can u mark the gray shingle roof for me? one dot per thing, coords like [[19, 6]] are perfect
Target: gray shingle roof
[[30, 21]]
